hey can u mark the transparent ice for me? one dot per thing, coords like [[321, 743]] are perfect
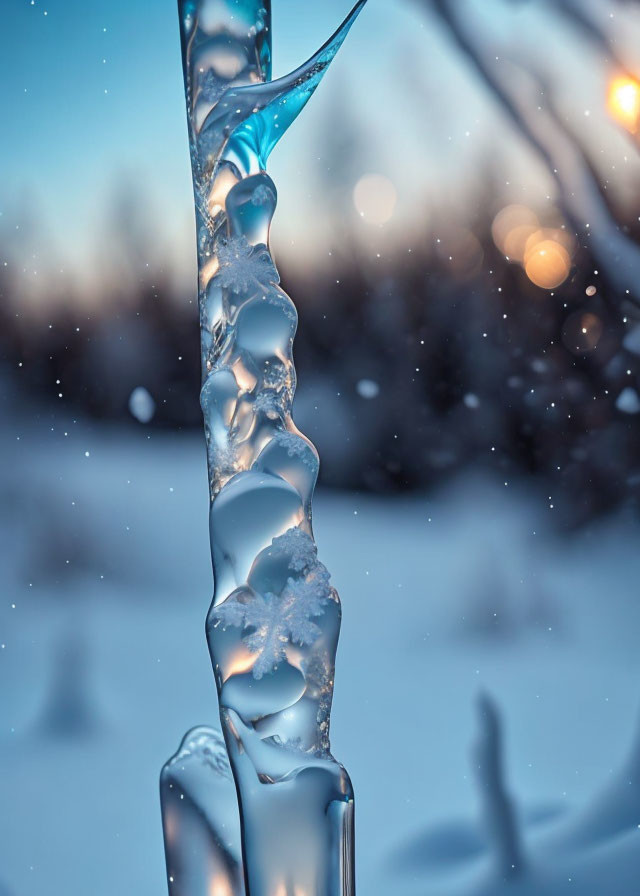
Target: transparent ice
[[200, 818], [273, 625]]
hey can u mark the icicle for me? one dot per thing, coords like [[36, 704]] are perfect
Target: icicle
[[200, 819], [274, 621]]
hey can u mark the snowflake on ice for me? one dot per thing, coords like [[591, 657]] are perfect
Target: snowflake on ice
[[271, 620], [243, 265]]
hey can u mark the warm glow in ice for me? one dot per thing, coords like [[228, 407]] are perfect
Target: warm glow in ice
[[223, 182], [208, 270], [219, 886], [242, 662]]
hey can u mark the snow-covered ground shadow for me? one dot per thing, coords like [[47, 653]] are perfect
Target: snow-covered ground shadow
[[106, 583]]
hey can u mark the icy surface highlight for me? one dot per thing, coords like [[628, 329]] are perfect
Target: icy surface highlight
[[273, 625]]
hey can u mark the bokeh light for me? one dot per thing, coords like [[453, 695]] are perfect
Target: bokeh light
[[544, 252], [550, 234], [511, 228], [582, 332], [624, 102], [375, 197], [547, 264]]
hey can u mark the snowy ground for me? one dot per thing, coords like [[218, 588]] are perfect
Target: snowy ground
[[442, 598]]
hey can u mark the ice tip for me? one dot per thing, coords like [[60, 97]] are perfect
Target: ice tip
[[337, 38], [357, 9], [350, 19], [203, 743]]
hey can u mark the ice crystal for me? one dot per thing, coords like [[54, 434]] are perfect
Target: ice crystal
[[243, 265], [295, 445], [282, 301], [272, 621], [204, 238], [262, 194], [269, 403], [211, 87], [222, 462], [299, 549], [275, 374], [208, 746]]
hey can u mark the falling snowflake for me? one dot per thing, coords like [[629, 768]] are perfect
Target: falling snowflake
[[274, 620], [243, 265]]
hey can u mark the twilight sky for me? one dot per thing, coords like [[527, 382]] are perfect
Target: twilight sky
[[94, 122]]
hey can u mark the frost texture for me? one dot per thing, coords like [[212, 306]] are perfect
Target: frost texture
[[243, 266], [208, 747], [222, 462], [295, 446], [275, 620], [273, 297], [299, 550], [275, 374], [210, 87], [269, 403], [262, 194]]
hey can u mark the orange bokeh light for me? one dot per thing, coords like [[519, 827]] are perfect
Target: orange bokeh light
[[511, 228], [548, 264], [624, 102], [544, 252]]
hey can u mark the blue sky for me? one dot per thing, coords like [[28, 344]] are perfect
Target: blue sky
[[91, 94]]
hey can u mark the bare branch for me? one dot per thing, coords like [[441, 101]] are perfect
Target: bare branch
[[581, 15], [579, 194]]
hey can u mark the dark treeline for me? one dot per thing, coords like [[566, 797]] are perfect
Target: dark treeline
[[410, 369]]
